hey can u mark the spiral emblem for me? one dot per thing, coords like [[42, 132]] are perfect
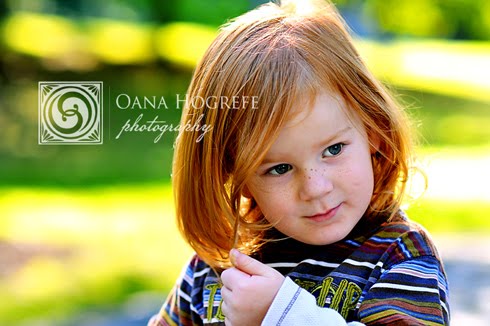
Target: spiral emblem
[[70, 113]]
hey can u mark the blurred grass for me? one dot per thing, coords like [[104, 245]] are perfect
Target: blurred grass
[[447, 121], [452, 68], [445, 216], [441, 122], [133, 158], [59, 40], [428, 65], [113, 242], [172, 43], [100, 247]]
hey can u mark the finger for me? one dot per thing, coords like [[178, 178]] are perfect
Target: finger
[[249, 265], [224, 308], [225, 294], [233, 276]]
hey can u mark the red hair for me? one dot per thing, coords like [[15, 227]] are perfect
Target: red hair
[[283, 56]]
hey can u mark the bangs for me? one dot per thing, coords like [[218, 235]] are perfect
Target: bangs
[[284, 87]]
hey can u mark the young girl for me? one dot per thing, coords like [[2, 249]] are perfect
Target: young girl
[[292, 203]]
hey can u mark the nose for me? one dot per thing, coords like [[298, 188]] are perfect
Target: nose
[[315, 184]]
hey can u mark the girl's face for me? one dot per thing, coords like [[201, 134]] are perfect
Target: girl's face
[[316, 181]]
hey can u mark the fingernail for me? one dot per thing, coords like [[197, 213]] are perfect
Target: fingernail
[[233, 256]]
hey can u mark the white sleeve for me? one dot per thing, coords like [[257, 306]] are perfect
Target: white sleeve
[[296, 306]]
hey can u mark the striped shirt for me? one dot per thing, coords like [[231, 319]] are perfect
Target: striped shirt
[[391, 275]]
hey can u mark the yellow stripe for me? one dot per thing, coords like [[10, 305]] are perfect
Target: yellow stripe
[[168, 320], [390, 312]]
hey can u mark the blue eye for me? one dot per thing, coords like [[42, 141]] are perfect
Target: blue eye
[[333, 150], [279, 169]]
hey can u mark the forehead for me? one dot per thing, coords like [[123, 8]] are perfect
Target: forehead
[[313, 126], [323, 106]]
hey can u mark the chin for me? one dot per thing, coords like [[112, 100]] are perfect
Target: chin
[[317, 241], [326, 240]]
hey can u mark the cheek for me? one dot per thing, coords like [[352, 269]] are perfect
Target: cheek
[[272, 201], [358, 175]]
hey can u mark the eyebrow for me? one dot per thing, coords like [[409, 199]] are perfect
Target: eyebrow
[[334, 135], [324, 141]]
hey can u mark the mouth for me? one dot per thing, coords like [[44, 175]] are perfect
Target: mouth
[[325, 216]]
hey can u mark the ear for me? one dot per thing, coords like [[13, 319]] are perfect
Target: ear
[[374, 142]]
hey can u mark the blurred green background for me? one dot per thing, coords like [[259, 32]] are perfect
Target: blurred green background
[[87, 233]]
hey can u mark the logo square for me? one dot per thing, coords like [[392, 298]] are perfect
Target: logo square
[[70, 113]]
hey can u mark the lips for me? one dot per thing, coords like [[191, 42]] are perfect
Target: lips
[[325, 216]]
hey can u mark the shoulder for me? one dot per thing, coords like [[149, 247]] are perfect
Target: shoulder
[[196, 272], [197, 265], [401, 240]]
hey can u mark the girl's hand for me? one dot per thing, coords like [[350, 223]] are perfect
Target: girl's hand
[[248, 290]]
